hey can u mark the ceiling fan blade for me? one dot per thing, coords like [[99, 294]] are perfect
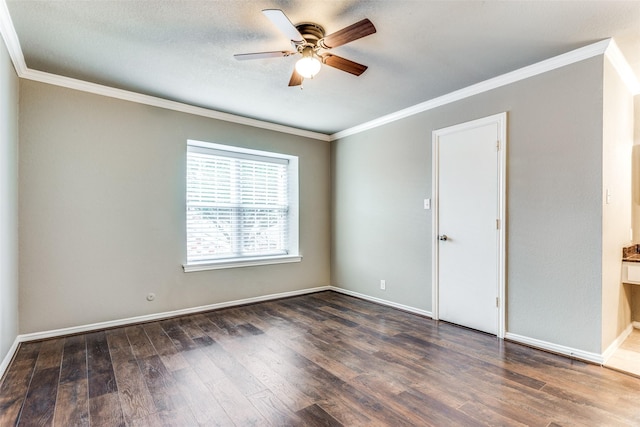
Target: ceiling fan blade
[[296, 79], [280, 20], [344, 64], [348, 34], [263, 55]]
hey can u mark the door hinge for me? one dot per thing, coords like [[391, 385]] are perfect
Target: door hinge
[[497, 302], [498, 145], [497, 224]]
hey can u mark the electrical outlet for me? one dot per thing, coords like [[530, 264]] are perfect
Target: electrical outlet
[[383, 284]]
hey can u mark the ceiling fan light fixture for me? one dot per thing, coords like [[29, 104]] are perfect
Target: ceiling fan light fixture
[[309, 65], [307, 39]]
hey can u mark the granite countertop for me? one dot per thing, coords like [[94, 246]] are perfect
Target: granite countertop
[[631, 253]]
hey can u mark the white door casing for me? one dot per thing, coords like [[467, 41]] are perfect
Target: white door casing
[[469, 208]]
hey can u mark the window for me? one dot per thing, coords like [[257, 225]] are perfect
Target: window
[[242, 207]]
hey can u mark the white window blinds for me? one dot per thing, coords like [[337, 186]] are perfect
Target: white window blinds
[[237, 205]]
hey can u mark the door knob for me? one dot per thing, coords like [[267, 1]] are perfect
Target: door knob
[[443, 237]]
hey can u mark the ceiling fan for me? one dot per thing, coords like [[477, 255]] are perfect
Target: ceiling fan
[[309, 41]]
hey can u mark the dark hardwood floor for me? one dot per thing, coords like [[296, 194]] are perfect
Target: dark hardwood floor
[[317, 360]]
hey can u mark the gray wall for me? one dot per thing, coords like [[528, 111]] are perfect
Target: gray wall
[[102, 210], [554, 204], [380, 229], [8, 203]]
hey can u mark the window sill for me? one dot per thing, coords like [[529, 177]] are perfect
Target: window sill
[[240, 262]]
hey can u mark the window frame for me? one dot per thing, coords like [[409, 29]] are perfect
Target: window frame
[[293, 254]]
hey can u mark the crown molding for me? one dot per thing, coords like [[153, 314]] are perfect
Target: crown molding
[[11, 39], [139, 98], [623, 68], [607, 46], [550, 64], [15, 52]]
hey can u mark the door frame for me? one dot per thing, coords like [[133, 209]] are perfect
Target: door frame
[[501, 121]]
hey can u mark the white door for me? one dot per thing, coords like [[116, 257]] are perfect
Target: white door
[[467, 188]]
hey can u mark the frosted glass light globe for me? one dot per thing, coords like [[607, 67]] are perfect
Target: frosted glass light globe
[[308, 66]]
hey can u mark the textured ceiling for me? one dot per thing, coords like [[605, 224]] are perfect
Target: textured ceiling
[[183, 50]]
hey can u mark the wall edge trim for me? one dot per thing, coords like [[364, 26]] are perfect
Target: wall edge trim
[[544, 66], [9, 357], [570, 352], [617, 343], [35, 336], [381, 301]]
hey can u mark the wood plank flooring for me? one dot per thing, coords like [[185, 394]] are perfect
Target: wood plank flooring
[[324, 359]]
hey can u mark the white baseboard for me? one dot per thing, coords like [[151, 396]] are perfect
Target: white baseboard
[[556, 348], [636, 325], [35, 336], [531, 342], [382, 301], [617, 343], [164, 315], [8, 357]]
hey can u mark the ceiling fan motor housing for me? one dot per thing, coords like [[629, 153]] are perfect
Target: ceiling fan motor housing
[[311, 32], [308, 39]]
